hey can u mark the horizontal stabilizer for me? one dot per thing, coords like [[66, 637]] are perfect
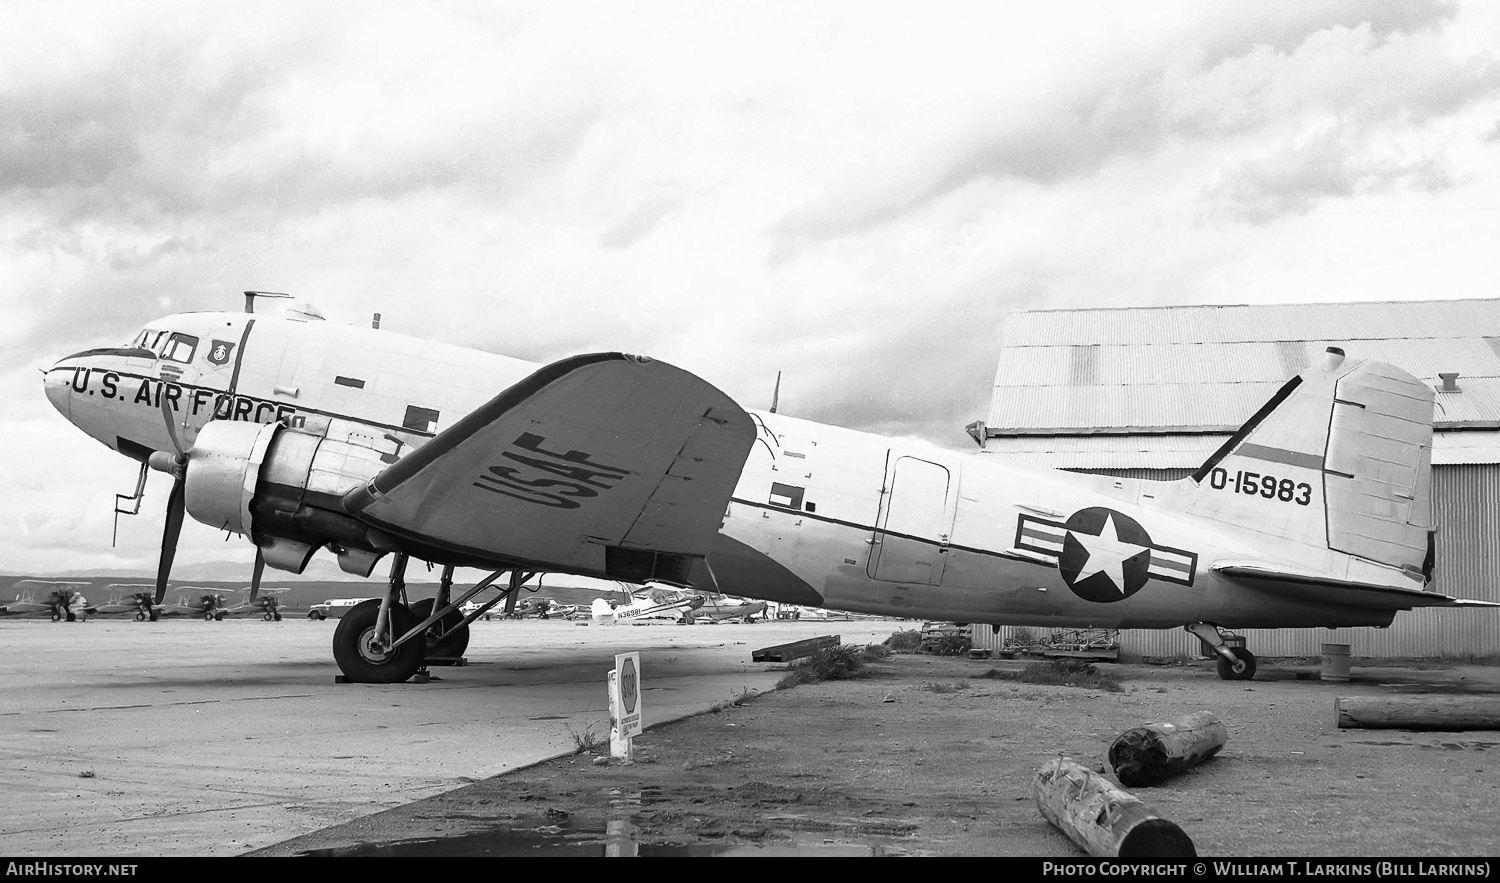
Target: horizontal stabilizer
[[604, 465], [1337, 591]]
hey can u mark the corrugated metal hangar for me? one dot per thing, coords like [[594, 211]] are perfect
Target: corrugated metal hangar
[[1152, 392]]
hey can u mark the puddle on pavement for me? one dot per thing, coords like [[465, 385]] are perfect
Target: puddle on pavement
[[591, 838], [610, 833]]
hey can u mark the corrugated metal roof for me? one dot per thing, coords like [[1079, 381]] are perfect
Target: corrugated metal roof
[[1211, 367], [1367, 320], [1146, 451]]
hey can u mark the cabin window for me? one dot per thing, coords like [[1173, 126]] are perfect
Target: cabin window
[[420, 419], [180, 348]]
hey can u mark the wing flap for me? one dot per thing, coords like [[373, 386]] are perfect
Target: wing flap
[[1336, 591], [589, 457]]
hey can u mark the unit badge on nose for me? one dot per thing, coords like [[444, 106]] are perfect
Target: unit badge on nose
[[1104, 555], [219, 352]]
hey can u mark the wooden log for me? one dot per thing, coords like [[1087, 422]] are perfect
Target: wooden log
[[1154, 753], [1102, 819], [794, 650], [1468, 712]]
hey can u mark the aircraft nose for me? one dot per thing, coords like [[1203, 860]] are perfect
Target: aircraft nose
[[56, 382]]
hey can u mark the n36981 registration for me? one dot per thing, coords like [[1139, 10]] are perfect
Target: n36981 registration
[[1255, 484]]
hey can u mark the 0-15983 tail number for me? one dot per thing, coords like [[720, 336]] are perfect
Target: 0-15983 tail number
[[1255, 484]]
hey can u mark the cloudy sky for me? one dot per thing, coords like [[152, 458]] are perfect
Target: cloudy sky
[[853, 194]]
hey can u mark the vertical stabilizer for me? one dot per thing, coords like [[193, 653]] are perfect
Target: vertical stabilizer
[[1340, 458]]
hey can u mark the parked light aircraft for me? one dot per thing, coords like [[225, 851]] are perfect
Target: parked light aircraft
[[59, 599], [133, 599], [718, 608], [303, 434], [195, 601], [648, 602]]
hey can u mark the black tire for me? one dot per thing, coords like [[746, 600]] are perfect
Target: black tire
[[454, 643], [313, 614], [362, 663], [139, 616], [154, 615], [276, 616], [1226, 672]]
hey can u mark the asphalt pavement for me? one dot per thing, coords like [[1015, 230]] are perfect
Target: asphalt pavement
[[120, 738]]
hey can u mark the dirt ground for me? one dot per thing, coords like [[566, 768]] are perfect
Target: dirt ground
[[925, 758]]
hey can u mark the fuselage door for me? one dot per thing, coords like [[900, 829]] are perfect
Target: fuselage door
[[911, 539]]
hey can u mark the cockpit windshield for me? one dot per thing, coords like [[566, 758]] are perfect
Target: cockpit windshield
[[174, 346]]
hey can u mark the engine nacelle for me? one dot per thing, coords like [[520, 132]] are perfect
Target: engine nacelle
[[284, 488]]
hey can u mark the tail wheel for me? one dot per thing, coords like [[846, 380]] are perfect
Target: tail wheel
[[1227, 672], [364, 661], [455, 638]]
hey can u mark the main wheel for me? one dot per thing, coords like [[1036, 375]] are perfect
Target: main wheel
[[456, 639], [1226, 671], [361, 659]]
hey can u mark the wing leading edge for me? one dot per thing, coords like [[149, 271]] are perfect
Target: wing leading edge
[[603, 465]]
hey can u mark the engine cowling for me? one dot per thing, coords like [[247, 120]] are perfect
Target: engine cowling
[[283, 488]]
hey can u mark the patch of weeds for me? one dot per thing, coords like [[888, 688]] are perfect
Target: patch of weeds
[[1061, 673], [840, 663], [950, 645], [936, 687], [904, 641], [585, 742], [741, 698]]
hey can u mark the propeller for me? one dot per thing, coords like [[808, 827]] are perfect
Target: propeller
[[176, 465], [257, 573]]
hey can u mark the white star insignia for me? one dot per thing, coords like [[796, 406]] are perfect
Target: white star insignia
[[1107, 554]]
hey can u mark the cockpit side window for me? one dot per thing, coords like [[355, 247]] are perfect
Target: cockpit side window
[[180, 348]]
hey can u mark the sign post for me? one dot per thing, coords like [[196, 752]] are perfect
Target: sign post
[[624, 706]]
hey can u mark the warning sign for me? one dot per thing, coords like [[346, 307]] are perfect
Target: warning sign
[[627, 684]]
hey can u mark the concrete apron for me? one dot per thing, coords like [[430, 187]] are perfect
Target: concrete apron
[[120, 738]]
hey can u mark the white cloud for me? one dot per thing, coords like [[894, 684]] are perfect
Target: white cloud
[[853, 194]]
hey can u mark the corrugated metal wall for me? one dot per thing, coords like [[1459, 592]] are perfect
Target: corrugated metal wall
[[1466, 502]]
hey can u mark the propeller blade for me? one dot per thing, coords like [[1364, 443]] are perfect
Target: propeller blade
[[166, 414], [173, 529], [256, 574]]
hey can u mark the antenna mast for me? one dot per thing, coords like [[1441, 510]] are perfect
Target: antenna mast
[[250, 297]]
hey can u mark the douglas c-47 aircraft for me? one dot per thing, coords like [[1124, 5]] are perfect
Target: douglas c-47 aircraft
[[302, 434]]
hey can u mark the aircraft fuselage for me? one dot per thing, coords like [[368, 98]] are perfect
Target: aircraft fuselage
[[821, 516]]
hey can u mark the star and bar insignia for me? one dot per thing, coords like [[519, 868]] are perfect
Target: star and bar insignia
[[1104, 555]]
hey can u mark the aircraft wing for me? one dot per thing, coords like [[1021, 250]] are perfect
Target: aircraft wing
[[604, 465], [1334, 591]]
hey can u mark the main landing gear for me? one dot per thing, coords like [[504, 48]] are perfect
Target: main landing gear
[[1235, 663], [387, 641]]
